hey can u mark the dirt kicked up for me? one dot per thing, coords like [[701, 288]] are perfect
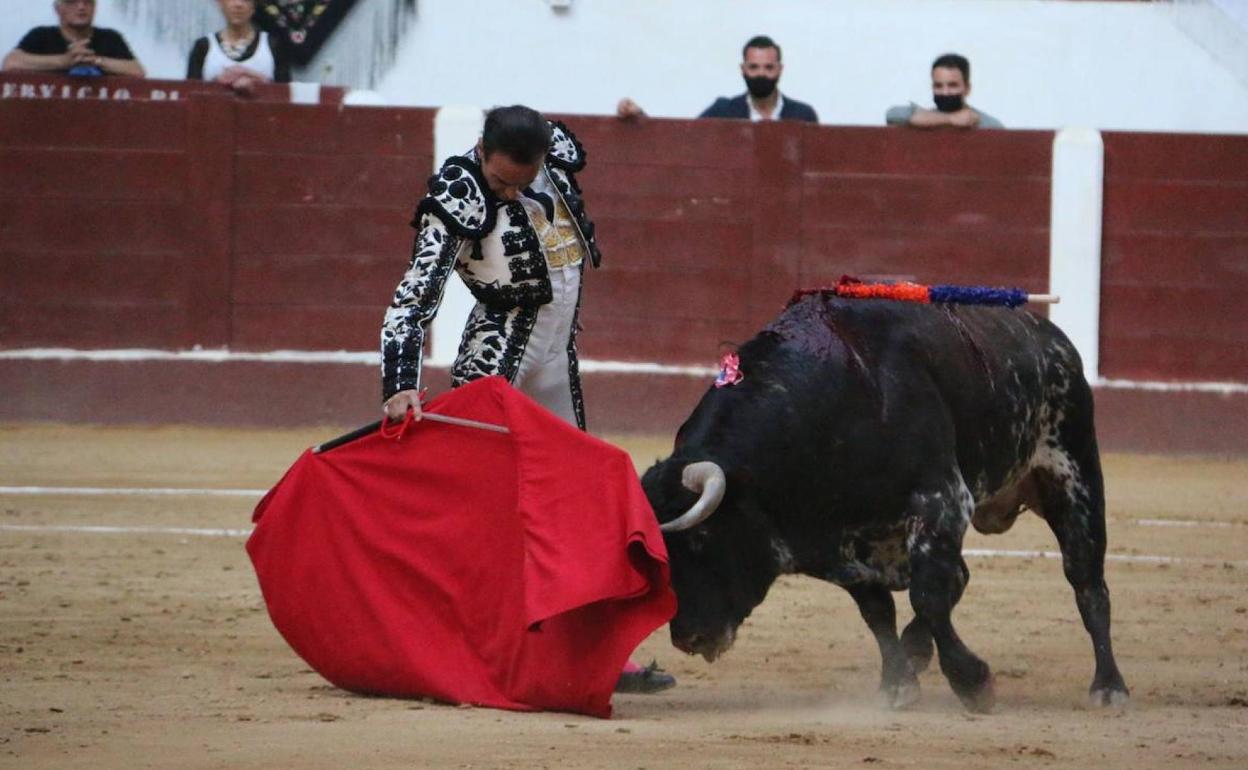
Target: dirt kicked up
[[132, 635]]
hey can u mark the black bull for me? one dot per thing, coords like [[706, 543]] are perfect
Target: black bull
[[865, 437]]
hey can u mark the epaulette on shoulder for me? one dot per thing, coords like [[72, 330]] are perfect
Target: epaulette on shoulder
[[459, 196], [565, 151]]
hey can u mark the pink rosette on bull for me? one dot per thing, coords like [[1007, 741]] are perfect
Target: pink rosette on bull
[[729, 370]]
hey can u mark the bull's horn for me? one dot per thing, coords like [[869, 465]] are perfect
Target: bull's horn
[[707, 479]]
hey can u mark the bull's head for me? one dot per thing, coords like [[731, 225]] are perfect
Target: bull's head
[[720, 551]]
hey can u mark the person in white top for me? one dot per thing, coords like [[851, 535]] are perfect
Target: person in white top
[[238, 56]]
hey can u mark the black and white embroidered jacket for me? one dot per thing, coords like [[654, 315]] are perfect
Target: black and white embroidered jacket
[[461, 225]]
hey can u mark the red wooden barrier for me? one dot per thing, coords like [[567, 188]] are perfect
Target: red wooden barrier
[[322, 203], [93, 237], [708, 226], [1175, 258], [220, 222], [259, 225], [207, 220]]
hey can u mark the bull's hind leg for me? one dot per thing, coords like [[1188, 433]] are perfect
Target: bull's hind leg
[[1072, 501], [916, 640], [898, 685], [937, 578]]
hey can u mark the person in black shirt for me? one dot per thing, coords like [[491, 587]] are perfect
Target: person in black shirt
[[75, 46], [760, 68]]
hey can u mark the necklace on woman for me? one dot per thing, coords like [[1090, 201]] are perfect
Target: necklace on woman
[[235, 48]]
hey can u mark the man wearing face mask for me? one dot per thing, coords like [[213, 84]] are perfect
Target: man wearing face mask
[[761, 68], [951, 84]]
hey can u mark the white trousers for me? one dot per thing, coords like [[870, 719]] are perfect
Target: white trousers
[[543, 371]]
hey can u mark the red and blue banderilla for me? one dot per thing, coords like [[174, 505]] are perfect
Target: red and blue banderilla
[[905, 291]]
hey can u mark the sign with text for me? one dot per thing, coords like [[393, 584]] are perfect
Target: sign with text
[[96, 88], [37, 85]]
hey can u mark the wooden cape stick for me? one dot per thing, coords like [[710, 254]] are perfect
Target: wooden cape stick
[[372, 427]]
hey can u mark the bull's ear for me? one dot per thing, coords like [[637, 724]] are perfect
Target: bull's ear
[[697, 538], [739, 478], [661, 483], [651, 480]]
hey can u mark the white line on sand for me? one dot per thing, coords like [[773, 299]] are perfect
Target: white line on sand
[[1186, 523], [99, 530], [982, 552], [134, 491], [257, 493], [1120, 557]]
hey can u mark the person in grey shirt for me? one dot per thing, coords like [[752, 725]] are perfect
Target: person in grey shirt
[[951, 84]]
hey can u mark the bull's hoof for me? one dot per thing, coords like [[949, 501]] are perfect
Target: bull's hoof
[[898, 697], [981, 699], [1108, 697]]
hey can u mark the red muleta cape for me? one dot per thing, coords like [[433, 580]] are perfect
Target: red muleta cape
[[510, 570]]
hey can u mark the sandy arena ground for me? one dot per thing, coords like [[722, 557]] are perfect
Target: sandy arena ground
[[136, 650]]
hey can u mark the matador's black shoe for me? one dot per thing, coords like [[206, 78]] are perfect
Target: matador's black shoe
[[650, 679]]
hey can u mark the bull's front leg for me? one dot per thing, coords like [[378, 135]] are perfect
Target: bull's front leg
[[938, 575], [899, 687]]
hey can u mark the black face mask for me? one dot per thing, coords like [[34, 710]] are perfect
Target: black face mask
[[948, 102], [761, 87]]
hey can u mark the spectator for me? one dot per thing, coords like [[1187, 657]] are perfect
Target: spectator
[[761, 68], [75, 46], [951, 84], [239, 56]]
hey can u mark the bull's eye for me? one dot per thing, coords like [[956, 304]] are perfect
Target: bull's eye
[[698, 538]]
